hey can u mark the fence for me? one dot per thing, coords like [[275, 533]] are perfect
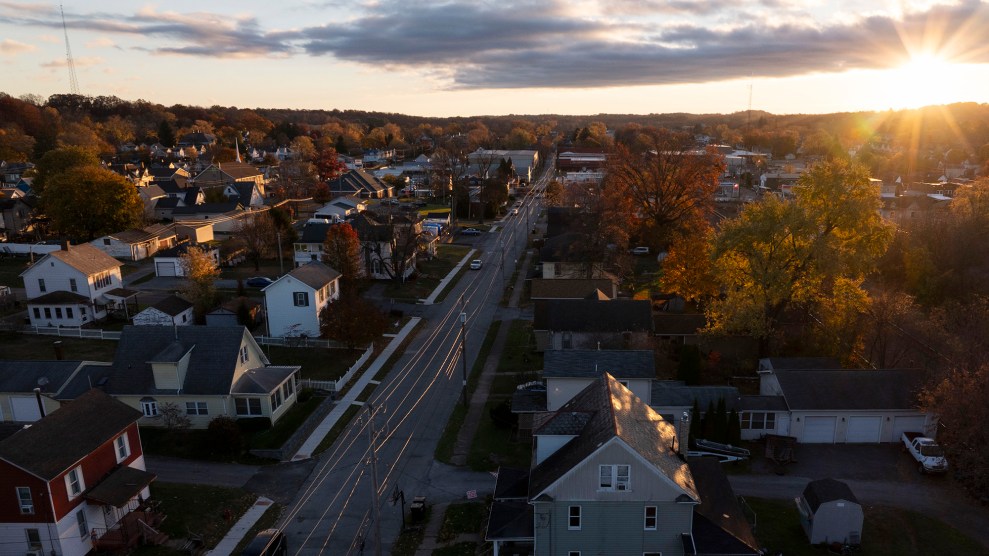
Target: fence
[[89, 333], [333, 385], [297, 341]]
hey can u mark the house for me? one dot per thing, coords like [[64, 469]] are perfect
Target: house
[[227, 313], [309, 248], [359, 183], [672, 398], [563, 256], [570, 288], [199, 371], [592, 323], [169, 261], [829, 513], [224, 217], [340, 208], [15, 213], [136, 244], [77, 489], [567, 372], [576, 159], [170, 311], [73, 286], [834, 405], [524, 162], [608, 478], [294, 301], [389, 244], [196, 139], [245, 193], [55, 380]]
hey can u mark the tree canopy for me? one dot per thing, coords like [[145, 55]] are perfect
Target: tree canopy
[[342, 252], [86, 202]]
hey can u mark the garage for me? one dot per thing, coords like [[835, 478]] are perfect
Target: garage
[[165, 269], [819, 430], [908, 424], [25, 409], [864, 430]]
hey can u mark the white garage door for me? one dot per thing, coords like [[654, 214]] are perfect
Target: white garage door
[[907, 424], [864, 429], [25, 409], [818, 430], [165, 269]]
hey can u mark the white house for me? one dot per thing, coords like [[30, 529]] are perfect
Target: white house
[[73, 286], [340, 208], [171, 311], [295, 300], [309, 248], [136, 244]]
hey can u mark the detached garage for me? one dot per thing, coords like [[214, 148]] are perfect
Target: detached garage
[[855, 406]]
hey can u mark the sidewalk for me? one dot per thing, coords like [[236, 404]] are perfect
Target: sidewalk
[[480, 396], [429, 543], [309, 446], [236, 533], [449, 278]]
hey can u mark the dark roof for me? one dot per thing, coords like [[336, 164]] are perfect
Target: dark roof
[[614, 412], [510, 520], [851, 389], [244, 192], [586, 315], [172, 305], [167, 203], [512, 483], [676, 324], [823, 491], [368, 228], [357, 181], [85, 258], [56, 442], [566, 288], [560, 219], [215, 351], [762, 403], [528, 401], [89, 376], [579, 363], [563, 248], [25, 376], [238, 170], [799, 363], [729, 531], [314, 233], [676, 393], [262, 380], [59, 297], [565, 424], [314, 274], [120, 487]]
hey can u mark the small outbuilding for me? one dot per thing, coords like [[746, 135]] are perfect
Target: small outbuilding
[[830, 513]]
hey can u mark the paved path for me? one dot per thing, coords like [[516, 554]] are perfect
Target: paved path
[[429, 536], [448, 278], [236, 533], [309, 446], [175, 470]]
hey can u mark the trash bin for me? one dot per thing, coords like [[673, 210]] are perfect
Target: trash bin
[[417, 509]]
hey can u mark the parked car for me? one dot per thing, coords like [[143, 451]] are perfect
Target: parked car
[[471, 232], [642, 250], [515, 211], [259, 282], [270, 542], [475, 264], [928, 455]]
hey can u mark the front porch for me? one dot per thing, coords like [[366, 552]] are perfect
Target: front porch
[[136, 527]]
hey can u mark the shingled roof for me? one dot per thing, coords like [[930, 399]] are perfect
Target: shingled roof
[[613, 411], [85, 258], [567, 288], [314, 274], [53, 444], [580, 363], [592, 315], [823, 491], [25, 376], [851, 389]]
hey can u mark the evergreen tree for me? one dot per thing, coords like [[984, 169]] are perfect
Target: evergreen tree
[[734, 428], [166, 135]]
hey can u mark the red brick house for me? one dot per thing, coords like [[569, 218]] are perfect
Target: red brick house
[[75, 481]]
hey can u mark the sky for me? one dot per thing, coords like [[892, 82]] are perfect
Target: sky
[[486, 57]]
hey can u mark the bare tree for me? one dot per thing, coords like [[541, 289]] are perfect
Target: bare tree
[[257, 232]]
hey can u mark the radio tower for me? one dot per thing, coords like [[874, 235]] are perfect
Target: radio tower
[[73, 82]]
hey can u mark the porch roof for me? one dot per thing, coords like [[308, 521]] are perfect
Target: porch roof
[[120, 487]]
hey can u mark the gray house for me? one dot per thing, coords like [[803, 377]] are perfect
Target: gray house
[[607, 478], [829, 512]]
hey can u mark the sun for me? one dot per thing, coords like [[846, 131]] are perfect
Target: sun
[[923, 80]]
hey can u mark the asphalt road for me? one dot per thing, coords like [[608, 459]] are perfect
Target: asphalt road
[[332, 513]]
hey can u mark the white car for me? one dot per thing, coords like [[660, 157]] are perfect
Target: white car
[[475, 264], [515, 211], [640, 251]]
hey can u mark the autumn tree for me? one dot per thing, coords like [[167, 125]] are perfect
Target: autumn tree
[[671, 184], [342, 252], [687, 268], [353, 321], [61, 160], [811, 253], [86, 202], [201, 272], [257, 233]]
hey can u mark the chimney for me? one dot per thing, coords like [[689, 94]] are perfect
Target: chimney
[[41, 404], [59, 354], [683, 434], [66, 244]]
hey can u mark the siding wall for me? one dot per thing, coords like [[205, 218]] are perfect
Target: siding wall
[[610, 528]]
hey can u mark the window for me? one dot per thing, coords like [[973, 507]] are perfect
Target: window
[[650, 519], [122, 446], [37, 313], [33, 539], [573, 553], [573, 521], [83, 525], [614, 477], [48, 313], [567, 340], [244, 355], [758, 421], [68, 313], [101, 280], [72, 285], [301, 299], [276, 399], [41, 285], [652, 554], [58, 312], [248, 407], [196, 408], [74, 483], [106, 241], [25, 500], [149, 408]]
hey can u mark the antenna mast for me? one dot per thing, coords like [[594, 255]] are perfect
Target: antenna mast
[[73, 82]]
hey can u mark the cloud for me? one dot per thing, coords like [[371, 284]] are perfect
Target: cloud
[[102, 42], [83, 62], [12, 48], [564, 43]]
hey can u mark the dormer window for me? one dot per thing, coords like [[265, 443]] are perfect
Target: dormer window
[[614, 477]]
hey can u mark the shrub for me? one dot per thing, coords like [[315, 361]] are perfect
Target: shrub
[[224, 437]]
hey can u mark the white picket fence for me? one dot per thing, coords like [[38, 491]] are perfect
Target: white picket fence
[[297, 341], [89, 333], [334, 385]]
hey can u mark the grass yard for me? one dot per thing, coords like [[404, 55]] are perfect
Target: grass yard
[[520, 350], [465, 518], [886, 532], [269, 268], [274, 437], [430, 273], [409, 540], [35, 347], [200, 509], [495, 445], [316, 363]]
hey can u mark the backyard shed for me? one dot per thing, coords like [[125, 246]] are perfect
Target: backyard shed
[[829, 513]]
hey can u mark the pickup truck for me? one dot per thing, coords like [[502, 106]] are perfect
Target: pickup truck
[[927, 453]]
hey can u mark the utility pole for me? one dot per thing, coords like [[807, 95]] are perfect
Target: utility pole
[[281, 262], [375, 510], [463, 343]]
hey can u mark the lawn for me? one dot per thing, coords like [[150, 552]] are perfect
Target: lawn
[[269, 268], [886, 532], [520, 350], [316, 363], [430, 273], [34, 347], [203, 510], [463, 518], [495, 445]]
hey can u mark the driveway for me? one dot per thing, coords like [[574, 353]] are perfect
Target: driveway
[[877, 474]]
